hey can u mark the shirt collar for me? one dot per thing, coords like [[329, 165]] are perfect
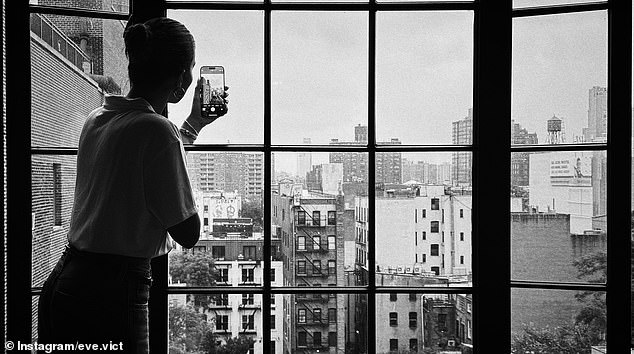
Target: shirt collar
[[122, 103]]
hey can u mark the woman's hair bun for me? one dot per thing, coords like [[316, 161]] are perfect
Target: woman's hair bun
[[136, 38]]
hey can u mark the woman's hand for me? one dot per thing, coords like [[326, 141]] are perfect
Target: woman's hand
[[196, 120]]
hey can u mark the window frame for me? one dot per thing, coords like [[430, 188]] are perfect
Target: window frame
[[491, 157]]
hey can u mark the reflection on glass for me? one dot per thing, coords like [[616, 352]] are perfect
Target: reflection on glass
[[558, 214], [571, 321], [424, 75], [430, 323], [76, 52], [240, 50], [106, 5], [52, 195], [220, 323], [423, 225], [319, 75], [335, 323], [559, 78], [313, 202], [227, 190]]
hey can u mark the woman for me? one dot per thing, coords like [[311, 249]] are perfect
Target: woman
[[132, 188]]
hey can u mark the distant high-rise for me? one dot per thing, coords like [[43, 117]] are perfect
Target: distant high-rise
[[597, 114], [520, 160], [361, 133], [462, 134], [304, 161], [227, 171]]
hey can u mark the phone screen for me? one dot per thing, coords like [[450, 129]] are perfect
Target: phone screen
[[213, 85]]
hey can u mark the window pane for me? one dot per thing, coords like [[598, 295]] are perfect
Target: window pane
[[438, 323], [72, 52], [319, 71], [313, 204], [108, 5], [51, 208], [200, 323], [533, 3], [322, 323], [560, 78], [240, 50], [573, 321], [558, 219], [418, 222], [424, 77]]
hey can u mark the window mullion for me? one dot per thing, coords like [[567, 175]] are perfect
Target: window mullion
[[371, 297], [266, 296]]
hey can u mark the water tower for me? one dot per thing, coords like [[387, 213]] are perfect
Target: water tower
[[556, 131]]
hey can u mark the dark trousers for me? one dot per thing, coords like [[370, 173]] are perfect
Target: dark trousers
[[96, 298]]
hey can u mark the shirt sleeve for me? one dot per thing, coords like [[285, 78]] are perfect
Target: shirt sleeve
[[168, 193]]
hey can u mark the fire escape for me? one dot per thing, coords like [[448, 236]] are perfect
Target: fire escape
[[248, 305], [314, 229], [220, 306]]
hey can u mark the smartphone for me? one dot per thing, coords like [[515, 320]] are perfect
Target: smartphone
[[212, 101]]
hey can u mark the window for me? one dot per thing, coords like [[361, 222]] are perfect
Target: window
[[435, 270], [332, 243], [462, 236], [424, 213], [424, 235], [393, 319], [435, 226], [57, 194], [392, 297], [301, 315], [316, 242], [248, 252], [272, 299], [412, 296], [393, 345], [332, 339], [222, 322], [221, 300], [415, 215], [301, 339], [272, 275], [248, 275], [468, 329], [332, 267], [461, 259], [317, 315], [272, 321], [301, 217], [434, 250], [413, 345], [424, 258], [248, 322], [316, 339], [415, 238], [461, 213], [316, 266], [442, 321], [412, 320], [316, 218], [435, 204], [332, 218], [223, 275], [332, 315], [301, 267], [247, 299], [301, 243], [218, 252]]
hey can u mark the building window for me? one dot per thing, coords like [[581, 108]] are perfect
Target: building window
[[468, 329], [272, 300], [301, 339], [317, 315], [221, 300], [316, 218], [222, 322], [436, 270], [224, 275], [461, 259], [424, 236], [462, 236], [316, 266], [461, 213], [434, 250], [332, 315], [57, 194], [316, 339], [393, 319], [415, 215], [272, 321], [393, 345], [247, 299], [435, 204], [413, 345], [248, 275], [301, 267], [301, 315], [248, 322], [332, 242], [412, 296], [273, 275], [332, 218], [332, 339], [301, 243], [316, 242], [424, 257], [424, 213], [283, 214], [415, 238], [442, 321], [218, 252], [393, 297], [412, 320], [301, 217], [248, 252], [332, 267], [435, 226]]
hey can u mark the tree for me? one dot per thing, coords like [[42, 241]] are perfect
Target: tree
[[194, 269], [252, 208], [568, 339], [187, 329], [212, 345]]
